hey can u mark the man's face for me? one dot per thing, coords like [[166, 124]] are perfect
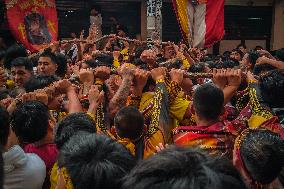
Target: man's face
[[20, 75], [244, 50], [46, 66]]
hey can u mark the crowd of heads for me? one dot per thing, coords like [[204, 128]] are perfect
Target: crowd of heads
[[99, 115]]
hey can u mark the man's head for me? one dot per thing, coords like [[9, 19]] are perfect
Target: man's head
[[71, 125], [95, 161], [183, 168], [208, 102], [129, 123], [237, 54], [13, 52], [21, 70], [272, 88], [262, 153], [30, 121], [249, 59], [47, 64], [242, 47]]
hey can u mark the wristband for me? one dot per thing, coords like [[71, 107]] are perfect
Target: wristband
[[160, 81]]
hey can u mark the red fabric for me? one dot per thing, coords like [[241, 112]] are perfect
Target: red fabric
[[48, 153], [214, 20], [33, 22]]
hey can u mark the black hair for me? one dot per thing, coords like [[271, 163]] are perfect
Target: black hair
[[140, 50], [104, 60], [129, 122], [23, 61], [39, 82], [62, 65], [13, 52], [95, 161], [2, 54], [97, 7], [280, 54], [241, 45], [252, 57], [47, 53], [208, 101], [4, 126], [72, 124], [30, 121], [197, 67], [259, 68], [239, 52], [4, 94], [183, 168], [230, 63], [258, 47], [272, 88], [91, 63], [262, 152]]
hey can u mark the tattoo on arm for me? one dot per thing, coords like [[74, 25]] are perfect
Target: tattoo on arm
[[120, 98]]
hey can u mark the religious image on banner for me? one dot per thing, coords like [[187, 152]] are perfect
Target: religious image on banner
[[36, 29], [33, 22]]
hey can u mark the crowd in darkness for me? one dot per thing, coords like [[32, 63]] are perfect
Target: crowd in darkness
[[134, 115]]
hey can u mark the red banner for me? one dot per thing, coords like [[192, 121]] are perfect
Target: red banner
[[33, 22]]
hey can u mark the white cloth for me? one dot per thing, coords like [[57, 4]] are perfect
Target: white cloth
[[23, 170]]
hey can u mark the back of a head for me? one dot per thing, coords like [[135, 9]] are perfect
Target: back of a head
[[208, 101], [13, 52], [4, 127], [272, 88], [253, 56], [23, 61], [262, 152], [30, 121], [71, 125], [39, 82], [183, 168], [129, 123], [95, 161]]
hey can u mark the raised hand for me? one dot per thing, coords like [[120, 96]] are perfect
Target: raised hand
[[177, 75], [140, 80], [158, 73], [102, 73], [126, 71], [63, 86], [219, 78], [86, 76], [234, 77]]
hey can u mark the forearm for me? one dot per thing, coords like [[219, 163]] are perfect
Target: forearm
[[120, 98], [229, 92], [74, 102], [276, 64]]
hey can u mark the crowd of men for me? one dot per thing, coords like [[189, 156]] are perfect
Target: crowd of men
[[128, 114]]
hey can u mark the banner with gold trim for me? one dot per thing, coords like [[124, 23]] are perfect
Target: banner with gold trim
[[33, 22]]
